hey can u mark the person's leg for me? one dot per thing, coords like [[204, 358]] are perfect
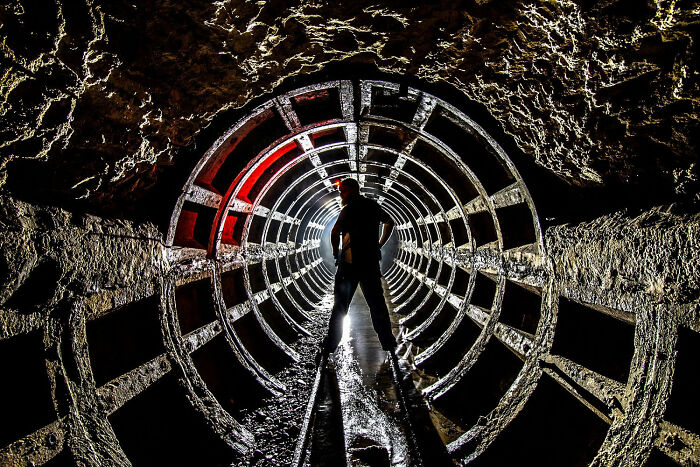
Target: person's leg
[[371, 283], [343, 290]]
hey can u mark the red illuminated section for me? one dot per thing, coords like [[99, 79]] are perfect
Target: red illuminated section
[[260, 171], [334, 134], [228, 235], [184, 234], [306, 98], [219, 172], [206, 176]]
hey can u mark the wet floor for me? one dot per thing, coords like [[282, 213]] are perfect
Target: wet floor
[[373, 428], [359, 419]]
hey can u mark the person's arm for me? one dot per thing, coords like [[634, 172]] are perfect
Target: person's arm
[[335, 239], [386, 232]]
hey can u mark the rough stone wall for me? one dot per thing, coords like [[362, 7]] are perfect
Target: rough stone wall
[[644, 269], [102, 263], [59, 270], [102, 94], [620, 260]]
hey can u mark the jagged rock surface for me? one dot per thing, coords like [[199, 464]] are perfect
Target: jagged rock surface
[[618, 259], [98, 96], [104, 263]]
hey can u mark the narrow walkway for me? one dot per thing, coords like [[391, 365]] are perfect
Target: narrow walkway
[[359, 419], [372, 419]]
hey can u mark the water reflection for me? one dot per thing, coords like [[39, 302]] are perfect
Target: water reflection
[[374, 434]]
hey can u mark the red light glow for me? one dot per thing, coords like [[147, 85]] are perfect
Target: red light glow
[[260, 170]]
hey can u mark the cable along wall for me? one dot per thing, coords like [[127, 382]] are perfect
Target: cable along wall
[[470, 277]]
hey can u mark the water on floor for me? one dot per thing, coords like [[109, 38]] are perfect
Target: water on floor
[[374, 430]]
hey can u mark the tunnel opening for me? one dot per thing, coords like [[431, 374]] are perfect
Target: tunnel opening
[[456, 200]]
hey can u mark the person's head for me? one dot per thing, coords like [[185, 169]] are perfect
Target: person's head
[[348, 188]]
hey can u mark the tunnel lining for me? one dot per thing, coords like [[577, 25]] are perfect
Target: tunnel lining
[[279, 231]]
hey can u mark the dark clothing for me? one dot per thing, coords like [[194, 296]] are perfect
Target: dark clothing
[[361, 218], [346, 280]]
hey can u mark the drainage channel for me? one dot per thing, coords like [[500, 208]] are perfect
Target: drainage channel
[[364, 409]]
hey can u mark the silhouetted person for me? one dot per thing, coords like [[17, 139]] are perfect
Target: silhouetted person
[[358, 262]]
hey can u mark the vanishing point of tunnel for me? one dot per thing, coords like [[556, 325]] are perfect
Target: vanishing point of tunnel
[[169, 179]]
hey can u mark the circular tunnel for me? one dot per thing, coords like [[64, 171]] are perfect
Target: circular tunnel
[[208, 358], [467, 279], [167, 188]]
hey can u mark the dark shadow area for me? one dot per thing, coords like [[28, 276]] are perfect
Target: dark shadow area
[[484, 292], [124, 339], [327, 438], [479, 391], [194, 304], [683, 407], [233, 287], [552, 429], [279, 325], [25, 393], [259, 344], [593, 339], [37, 289], [160, 427], [472, 150], [63, 459], [520, 308], [516, 225], [435, 329], [316, 106], [226, 378], [482, 228], [422, 312], [298, 297], [453, 350], [659, 459]]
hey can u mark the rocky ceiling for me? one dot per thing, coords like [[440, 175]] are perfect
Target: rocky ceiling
[[98, 97]]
